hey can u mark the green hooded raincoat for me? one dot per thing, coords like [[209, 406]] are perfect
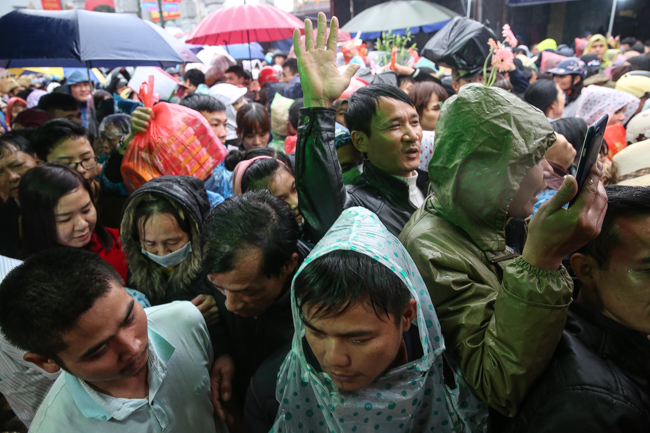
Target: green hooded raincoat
[[500, 316]]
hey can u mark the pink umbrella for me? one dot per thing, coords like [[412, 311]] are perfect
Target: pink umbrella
[[245, 23]]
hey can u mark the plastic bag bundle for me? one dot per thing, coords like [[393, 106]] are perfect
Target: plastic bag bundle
[[179, 141], [461, 44]]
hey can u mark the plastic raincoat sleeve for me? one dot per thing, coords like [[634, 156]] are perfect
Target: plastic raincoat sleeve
[[321, 193], [504, 333]]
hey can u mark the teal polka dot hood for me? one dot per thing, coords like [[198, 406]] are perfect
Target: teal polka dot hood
[[414, 397]]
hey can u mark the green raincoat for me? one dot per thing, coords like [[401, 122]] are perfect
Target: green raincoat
[[500, 316], [410, 398]]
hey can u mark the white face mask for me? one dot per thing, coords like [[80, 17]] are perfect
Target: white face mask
[[171, 259]]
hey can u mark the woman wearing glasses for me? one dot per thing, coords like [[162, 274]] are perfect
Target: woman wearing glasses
[[57, 210]]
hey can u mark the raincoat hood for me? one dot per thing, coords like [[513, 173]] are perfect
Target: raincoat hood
[[486, 141], [187, 194], [609, 53], [598, 100], [405, 398]]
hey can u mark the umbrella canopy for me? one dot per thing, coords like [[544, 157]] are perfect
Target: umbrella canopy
[[79, 38], [245, 23], [397, 16], [182, 49], [243, 51]]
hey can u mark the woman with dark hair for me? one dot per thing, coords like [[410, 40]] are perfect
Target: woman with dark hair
[[161, 234], [264, 168], [428, 97], [253, 126], [57, 210], [547, 96]]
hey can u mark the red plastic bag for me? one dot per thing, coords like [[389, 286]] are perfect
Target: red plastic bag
[[179, 141]]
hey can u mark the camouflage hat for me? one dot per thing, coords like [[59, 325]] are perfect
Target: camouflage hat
[[570, 66]]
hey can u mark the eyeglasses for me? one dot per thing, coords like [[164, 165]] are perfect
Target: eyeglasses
[[87, 163]]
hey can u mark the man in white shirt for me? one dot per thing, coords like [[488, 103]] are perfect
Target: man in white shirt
[[125, 369]]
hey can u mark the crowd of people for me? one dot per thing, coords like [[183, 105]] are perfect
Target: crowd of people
[[382, 247]]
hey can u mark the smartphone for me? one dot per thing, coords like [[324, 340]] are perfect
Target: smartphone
[[590, 150]]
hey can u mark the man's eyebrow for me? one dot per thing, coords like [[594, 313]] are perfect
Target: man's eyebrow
[[351, 334], [245, 289], [97, 346]]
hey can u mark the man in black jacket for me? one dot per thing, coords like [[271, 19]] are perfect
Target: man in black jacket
[[599, 378], [251, 250], [384, 125]]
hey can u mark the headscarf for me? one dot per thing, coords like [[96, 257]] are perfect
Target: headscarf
[[410, 397], [10, 105], [597, 100], [608, 55]]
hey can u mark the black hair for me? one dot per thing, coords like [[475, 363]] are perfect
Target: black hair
[[260, 174], [294, 112], [628, 41], [23, 94], [333, 282], [364, 103], [292, 64], [574, 129], [11, 142], [53, 132], [39, 191], [237, 70], [57, 101], [236, 156], [157, 204], [195, 76], [252, 118], [541, 94], [421, 93], [43, 298], [623, 201], [199, 102], [404, 79], [252, 220], [639, 63], [639, 48]]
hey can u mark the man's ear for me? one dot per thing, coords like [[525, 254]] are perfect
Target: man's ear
[[585, 268], [44, 363], [409, 315], [39, 161], [455, 85], [360, 141], [290, 266]]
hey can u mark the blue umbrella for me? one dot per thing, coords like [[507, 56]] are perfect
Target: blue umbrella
[[79, 38], [243, 51]]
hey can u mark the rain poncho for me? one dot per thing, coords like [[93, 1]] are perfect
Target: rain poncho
[[404, 399], [598, 100]]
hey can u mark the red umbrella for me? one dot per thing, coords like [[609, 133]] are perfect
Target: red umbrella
[[245, 23]]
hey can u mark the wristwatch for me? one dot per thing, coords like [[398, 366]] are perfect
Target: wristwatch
[[121, 146]]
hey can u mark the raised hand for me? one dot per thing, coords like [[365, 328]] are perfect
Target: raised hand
[[321, 81], [555, 232]]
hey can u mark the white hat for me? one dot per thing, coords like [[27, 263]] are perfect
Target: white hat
[[227, 93]]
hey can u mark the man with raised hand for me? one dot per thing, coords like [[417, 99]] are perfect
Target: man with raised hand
[[383, 124]]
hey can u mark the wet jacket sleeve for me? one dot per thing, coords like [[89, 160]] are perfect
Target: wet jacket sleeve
[[502, 330], [519, 81], [321, 193]]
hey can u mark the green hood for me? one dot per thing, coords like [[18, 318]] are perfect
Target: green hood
[[486, 140]]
